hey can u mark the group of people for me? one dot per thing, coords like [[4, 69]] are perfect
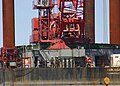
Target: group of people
[[69, 62], [53, 62], [57, 62]]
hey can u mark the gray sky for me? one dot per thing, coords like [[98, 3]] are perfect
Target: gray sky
[[24, 13]]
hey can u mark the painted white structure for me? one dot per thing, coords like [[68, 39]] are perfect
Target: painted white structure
[[115, 60]]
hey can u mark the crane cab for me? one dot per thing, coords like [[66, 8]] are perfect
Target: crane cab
[[40, 3]]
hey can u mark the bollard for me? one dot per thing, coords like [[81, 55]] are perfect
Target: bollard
[[106, 81]]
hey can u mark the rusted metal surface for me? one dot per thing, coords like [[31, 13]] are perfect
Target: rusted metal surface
[[63, 75], [115, 21], [8, 24], [89, 20]]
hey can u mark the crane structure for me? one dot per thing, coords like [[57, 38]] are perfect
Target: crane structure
[[59, 22], [67, 25]]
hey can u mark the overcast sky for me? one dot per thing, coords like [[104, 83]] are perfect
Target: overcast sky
[[24, 13]]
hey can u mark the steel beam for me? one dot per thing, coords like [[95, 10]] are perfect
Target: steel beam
[[90, 20], [8, 24], [114, 21]]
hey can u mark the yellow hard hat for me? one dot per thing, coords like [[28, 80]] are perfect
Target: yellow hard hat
[[107, 80]]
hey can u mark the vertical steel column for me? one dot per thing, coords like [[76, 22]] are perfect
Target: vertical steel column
[[90, 20], [8, 24], [115, 21]]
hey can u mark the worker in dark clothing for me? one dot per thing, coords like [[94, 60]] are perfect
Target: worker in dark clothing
[[52, 62]]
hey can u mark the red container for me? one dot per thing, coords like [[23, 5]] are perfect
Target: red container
[[35, 24]]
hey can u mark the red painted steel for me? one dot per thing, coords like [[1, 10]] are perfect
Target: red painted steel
[[9, 53], [90, 20], [8, 24], [114, 21], [35, 24], [59, 45], [71, 24], [35, 36]]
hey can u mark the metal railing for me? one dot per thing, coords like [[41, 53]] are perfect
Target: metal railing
[[92, 75]]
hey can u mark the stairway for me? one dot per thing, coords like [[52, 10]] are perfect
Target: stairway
[[40, 54]]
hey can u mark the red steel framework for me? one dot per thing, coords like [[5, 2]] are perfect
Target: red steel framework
[[8, 50], [8, 53], [66, 25]]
